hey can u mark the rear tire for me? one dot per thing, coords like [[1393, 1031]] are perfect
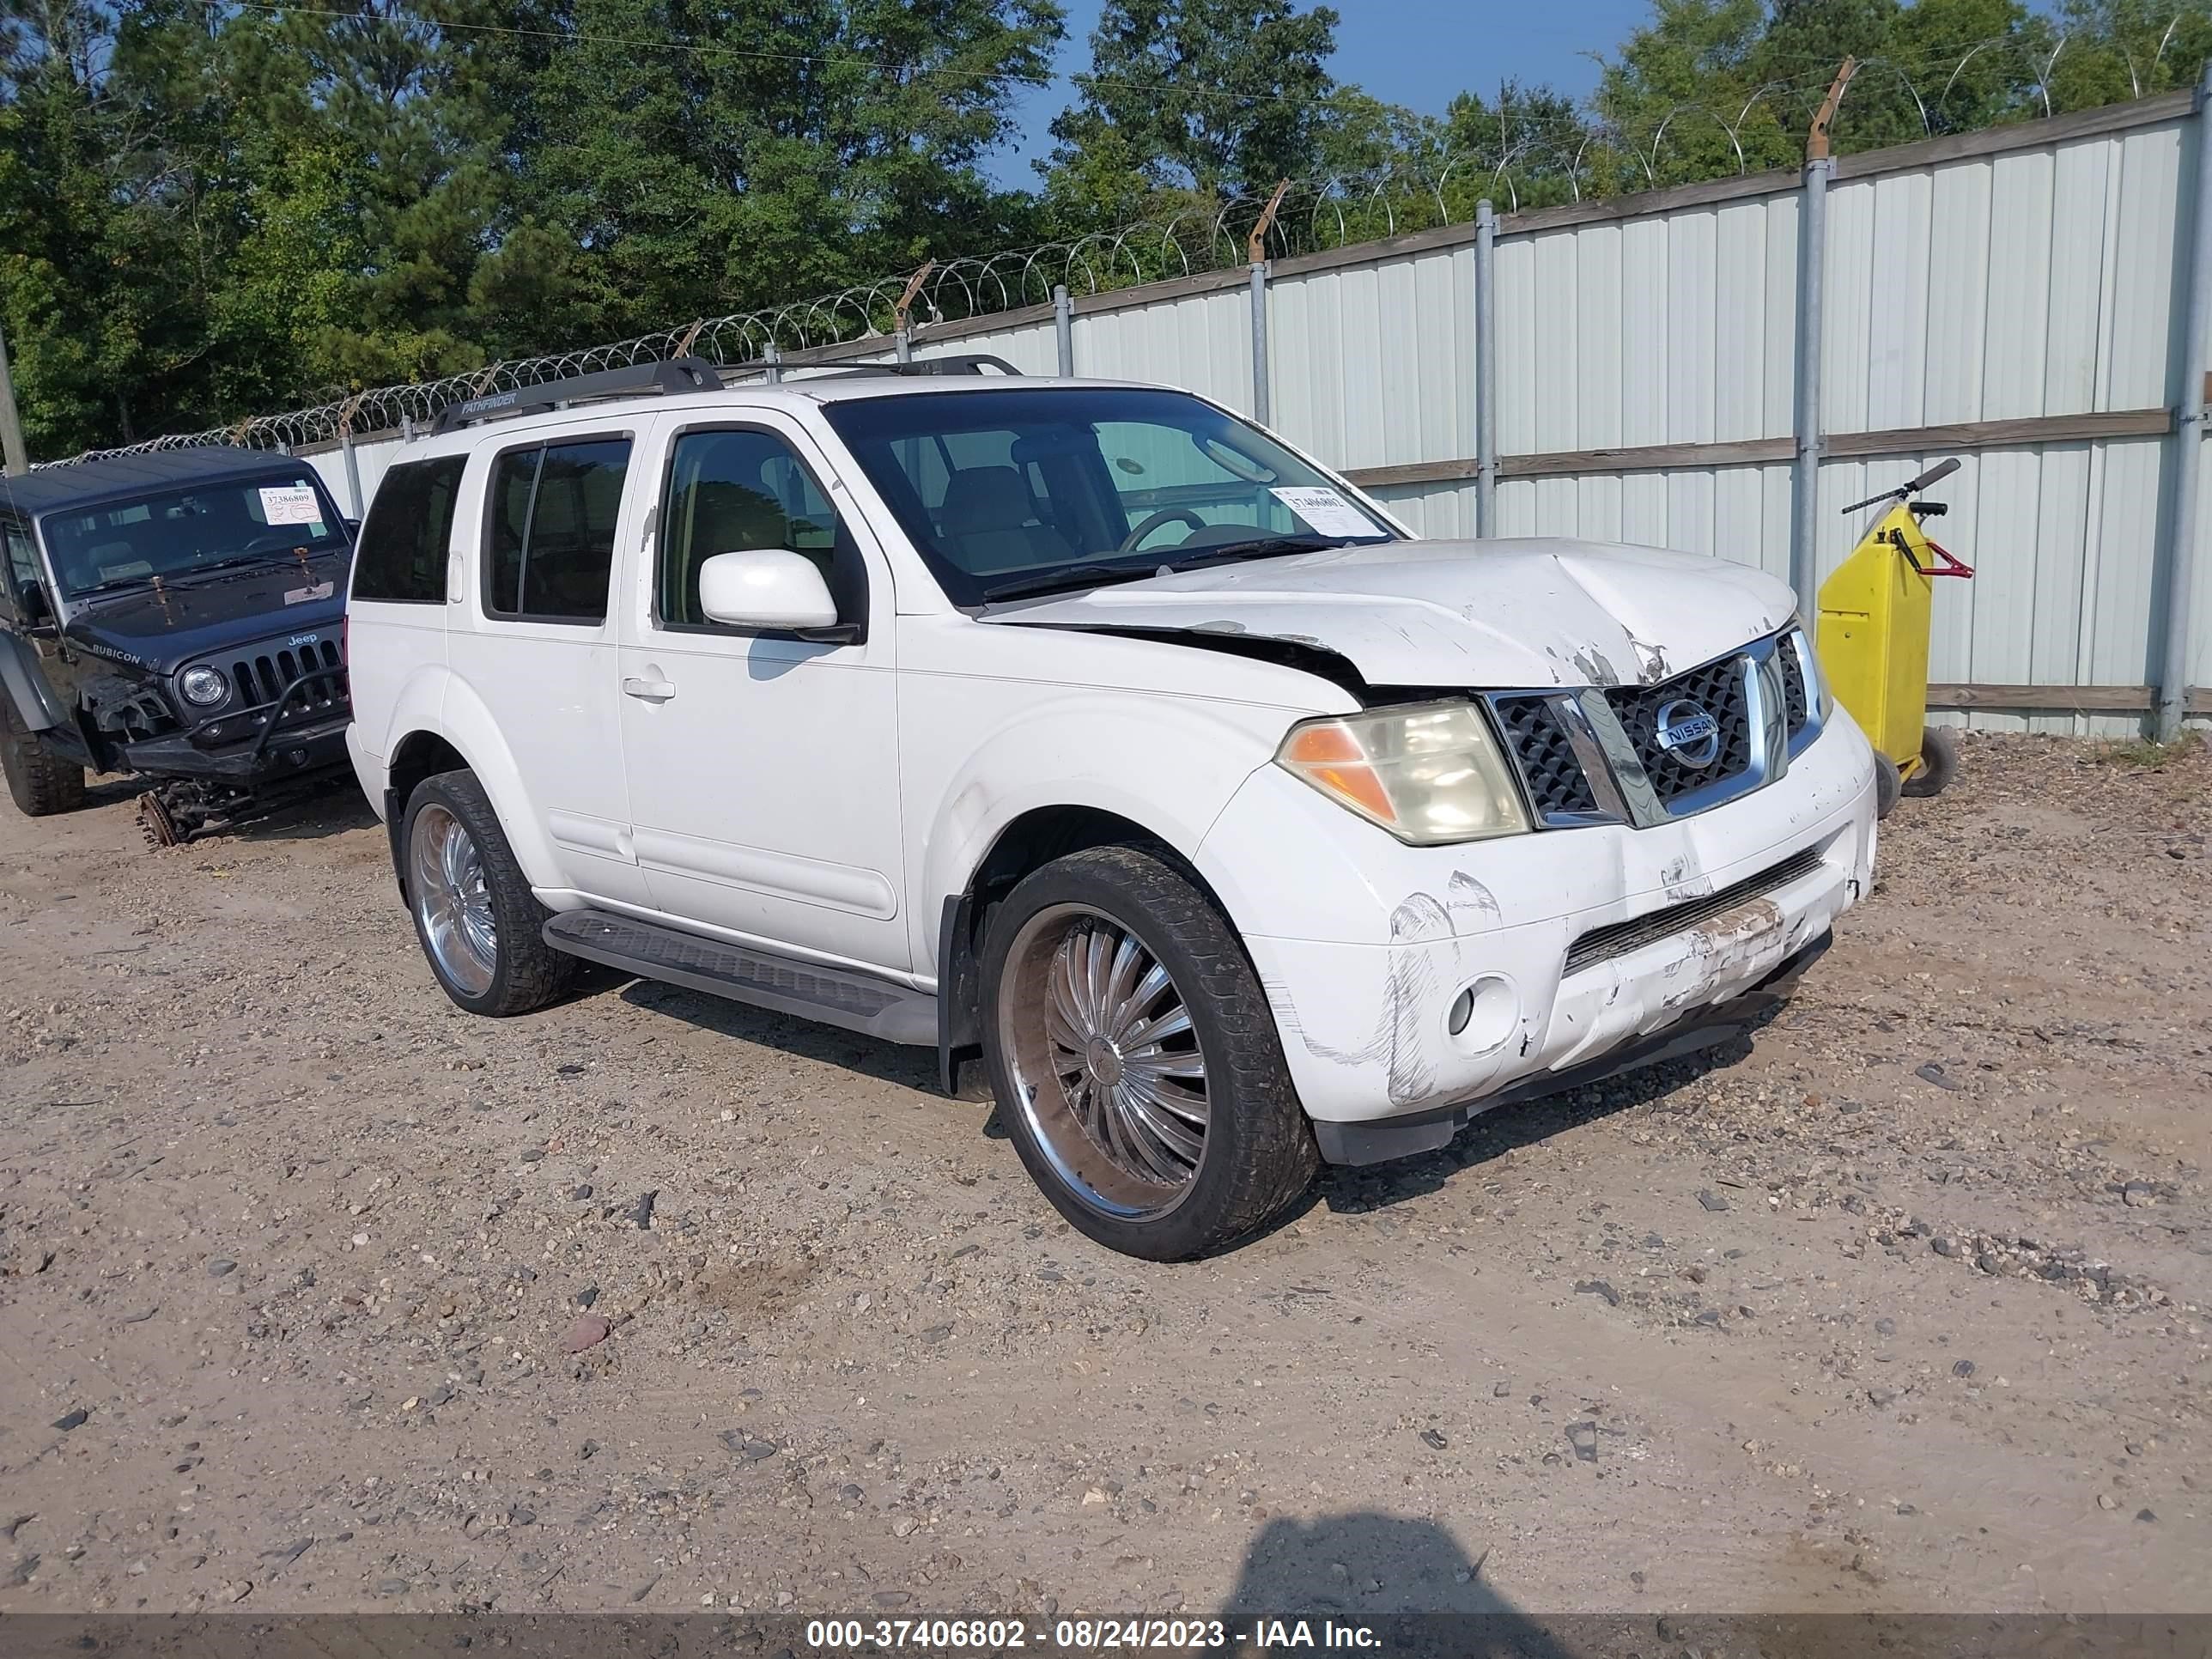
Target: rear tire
[[1939, 763], [480, 928], [39, 784], [1135, 1058]]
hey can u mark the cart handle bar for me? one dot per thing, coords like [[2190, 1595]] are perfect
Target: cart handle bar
[[1934, 474]]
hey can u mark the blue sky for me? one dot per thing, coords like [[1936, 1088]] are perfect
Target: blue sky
[[1415, 52]]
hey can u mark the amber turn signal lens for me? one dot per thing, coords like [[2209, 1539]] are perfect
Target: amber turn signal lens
[[1428, 773]]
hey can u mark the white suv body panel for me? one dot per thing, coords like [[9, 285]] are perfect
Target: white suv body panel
[[825, 801], [1362, 948]]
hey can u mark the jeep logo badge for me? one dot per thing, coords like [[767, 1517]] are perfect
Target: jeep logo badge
[[305, 639], [1689, 734]]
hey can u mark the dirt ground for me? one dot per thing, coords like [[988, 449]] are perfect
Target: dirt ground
[[1903, 1307]]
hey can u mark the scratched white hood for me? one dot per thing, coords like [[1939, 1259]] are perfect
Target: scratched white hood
[[1483, 615]]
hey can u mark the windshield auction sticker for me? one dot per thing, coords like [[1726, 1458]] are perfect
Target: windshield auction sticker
[[1325, 511], [293, 504]]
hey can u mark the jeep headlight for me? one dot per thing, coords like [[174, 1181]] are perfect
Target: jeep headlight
[[1428, 773], [203, 686]]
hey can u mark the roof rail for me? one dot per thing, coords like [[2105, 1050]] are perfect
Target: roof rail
[[966, 362], [677, 374]]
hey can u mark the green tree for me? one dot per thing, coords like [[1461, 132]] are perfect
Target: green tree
[[1222, 97], [108, 233], [709, 155], [1531, 147], [390, 104]]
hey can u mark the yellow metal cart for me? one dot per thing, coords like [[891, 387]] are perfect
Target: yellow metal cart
[[1873, 638]]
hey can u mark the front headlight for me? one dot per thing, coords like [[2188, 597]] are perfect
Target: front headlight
[[1428, 773], [203, 686]]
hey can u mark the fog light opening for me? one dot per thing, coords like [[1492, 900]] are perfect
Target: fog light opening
[[1484, 1014]]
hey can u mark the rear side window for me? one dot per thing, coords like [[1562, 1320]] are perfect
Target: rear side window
[[549, 548], [402, 556]]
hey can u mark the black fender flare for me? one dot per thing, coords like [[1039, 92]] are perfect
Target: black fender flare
[[26, 688]]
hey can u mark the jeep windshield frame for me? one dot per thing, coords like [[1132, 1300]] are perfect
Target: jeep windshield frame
[[199, 529], [1020, 490]]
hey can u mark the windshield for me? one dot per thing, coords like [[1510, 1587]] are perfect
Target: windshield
[[180, 531], [1027, 490]]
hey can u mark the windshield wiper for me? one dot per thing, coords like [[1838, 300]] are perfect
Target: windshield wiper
[[1061, 576], [1260, 547], [238, 561], [114, 584], [1094, 575]]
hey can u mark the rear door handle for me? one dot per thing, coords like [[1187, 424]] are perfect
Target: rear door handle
[[649, 690]]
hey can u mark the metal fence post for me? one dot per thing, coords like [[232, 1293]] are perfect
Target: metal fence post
[[1812, 277], [1486, 369], [1259, 341], [902, 347], [1063, 327], [11, 428], [2183, 554], [1255, 251], [774, 358], [1812, 257], [353, 471]]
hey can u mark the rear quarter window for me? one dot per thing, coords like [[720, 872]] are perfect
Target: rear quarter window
[[402, 556]]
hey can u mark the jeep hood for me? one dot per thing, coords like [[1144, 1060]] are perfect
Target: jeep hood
[[160, 631], [1483, 615]]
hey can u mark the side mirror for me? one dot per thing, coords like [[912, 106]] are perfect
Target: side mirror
[[31, 603], [765, 587]]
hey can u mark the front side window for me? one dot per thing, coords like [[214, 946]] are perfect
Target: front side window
[[402, 556], [22, 561], [736, 489], [181, 533], [550, 545], [1007, 491]]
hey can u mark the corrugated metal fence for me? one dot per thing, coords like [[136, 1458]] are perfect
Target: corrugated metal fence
[[2015, 297]]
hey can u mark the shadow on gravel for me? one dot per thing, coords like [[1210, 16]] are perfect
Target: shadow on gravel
[[1369, 1569], [332, 811], [910, 1068], [1505, 1129]]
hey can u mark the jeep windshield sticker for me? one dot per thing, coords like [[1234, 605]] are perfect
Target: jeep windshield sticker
[[1325, 512], [307, 595], [291, 504]]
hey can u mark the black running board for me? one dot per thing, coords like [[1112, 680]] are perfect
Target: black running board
[[834, 996]]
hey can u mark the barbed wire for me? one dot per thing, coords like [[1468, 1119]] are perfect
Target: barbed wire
[[1431, 186]]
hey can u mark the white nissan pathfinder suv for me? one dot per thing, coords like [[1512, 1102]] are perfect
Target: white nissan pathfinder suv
[[1090, 729]]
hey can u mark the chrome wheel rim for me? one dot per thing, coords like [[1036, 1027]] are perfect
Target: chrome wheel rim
[[1109, 1072], [452, 901]]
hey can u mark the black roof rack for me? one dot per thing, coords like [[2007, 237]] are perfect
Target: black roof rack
[[677, 375], [967, 363]]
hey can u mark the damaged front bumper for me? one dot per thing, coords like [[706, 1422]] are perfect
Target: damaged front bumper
[[1414, 987], [298, 733]]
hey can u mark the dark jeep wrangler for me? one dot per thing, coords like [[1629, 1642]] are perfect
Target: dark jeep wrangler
[[178, 615]]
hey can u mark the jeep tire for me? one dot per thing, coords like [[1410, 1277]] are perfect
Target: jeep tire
[[39, 784], [1135, 1059], [479, 926]]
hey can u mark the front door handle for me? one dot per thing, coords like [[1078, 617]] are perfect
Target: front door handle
[[649, 690]]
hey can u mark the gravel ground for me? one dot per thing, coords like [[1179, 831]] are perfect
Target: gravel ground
[[318, 1294]]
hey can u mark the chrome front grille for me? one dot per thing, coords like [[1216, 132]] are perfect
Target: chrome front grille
[[1645, 754], [1544, 754], [1718, 689]]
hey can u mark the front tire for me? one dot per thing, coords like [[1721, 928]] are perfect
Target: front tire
[[39, 784], [479, 926], [1135, 1059]]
